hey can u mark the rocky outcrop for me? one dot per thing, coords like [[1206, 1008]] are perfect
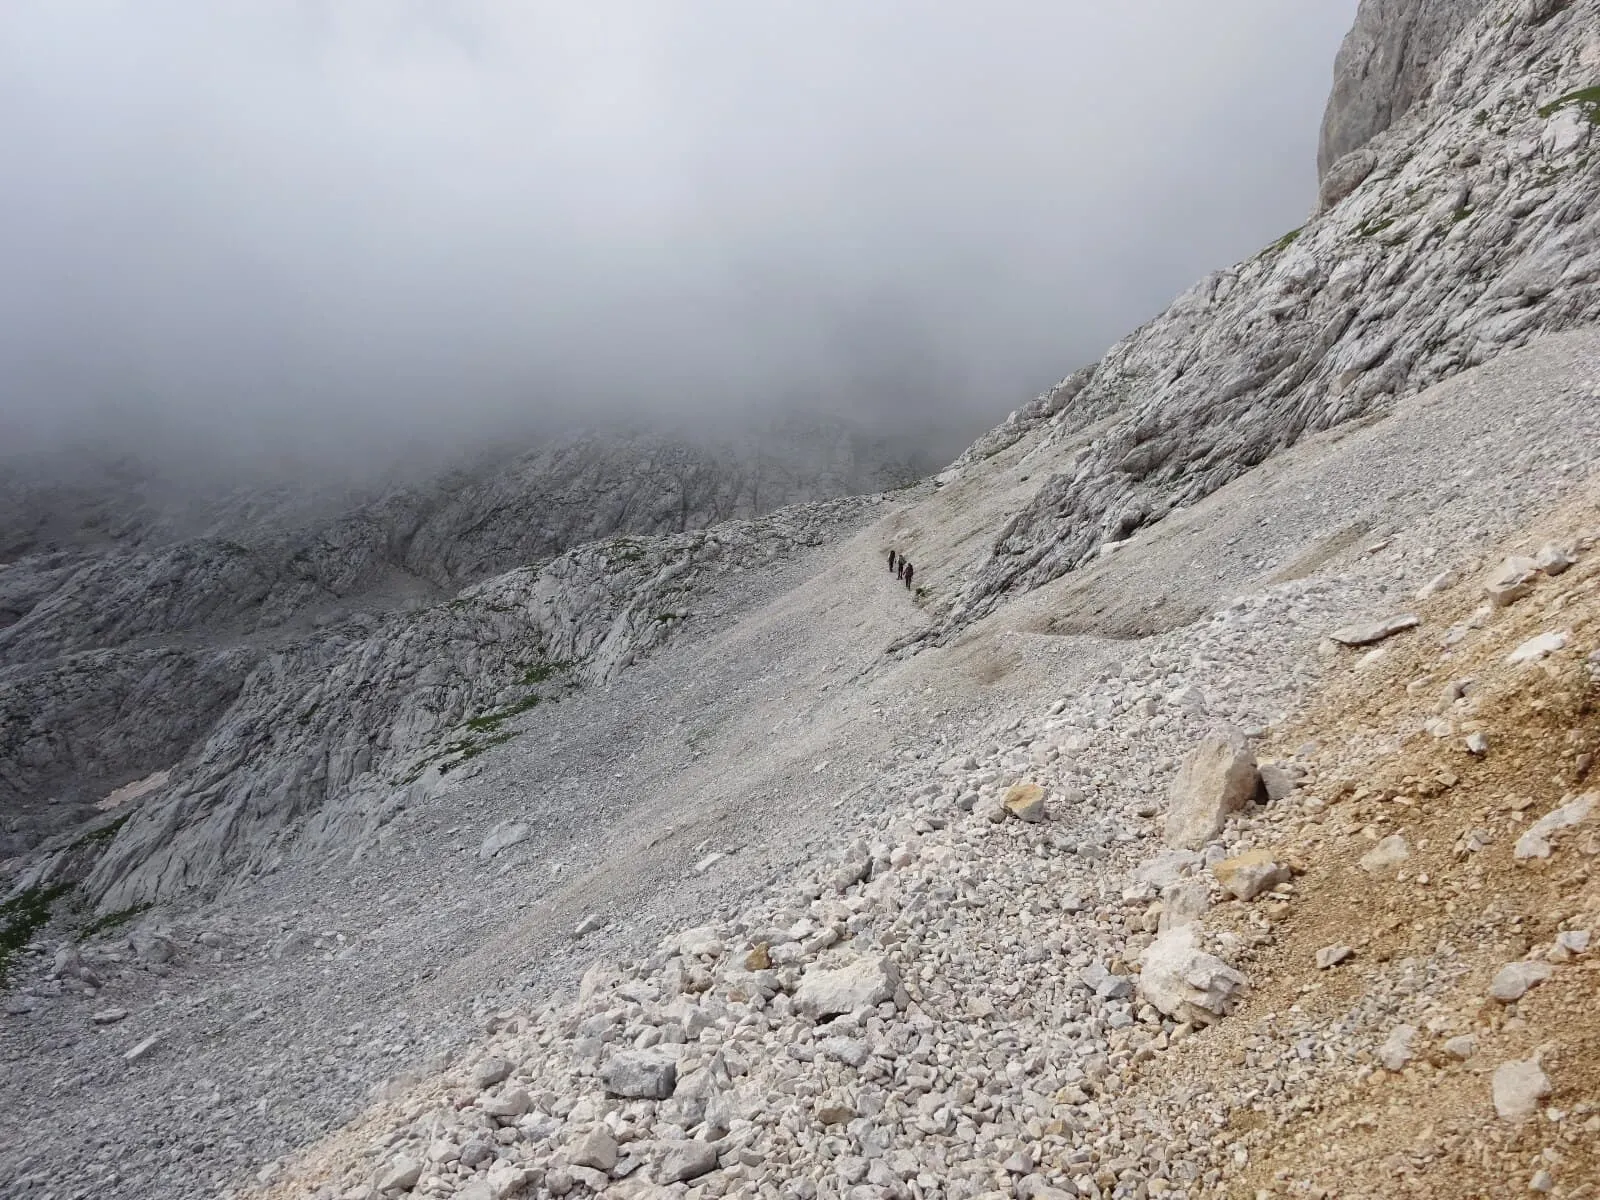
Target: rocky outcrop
[[132, 617], [1388, 62], [330, 737], [1473, 233]]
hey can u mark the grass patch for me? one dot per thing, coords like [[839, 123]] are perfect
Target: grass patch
[[305, 717], [1461, 214], [1286, 240], [23, 914], [1588, 99], [111, 921], [99, 837], [543, 673], [1372, 227]]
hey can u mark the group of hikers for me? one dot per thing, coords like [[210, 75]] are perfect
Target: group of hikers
[[899, 565]]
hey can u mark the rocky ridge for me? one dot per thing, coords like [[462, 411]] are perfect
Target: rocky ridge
[[1461, 230]]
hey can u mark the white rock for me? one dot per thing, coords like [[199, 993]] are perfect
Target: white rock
[[1397, 1050], [687, 1160], [1512, 981], [596, 1149], [109, 1016], [1553, 559], [1371, 632], [502, 837], [1386, 855], [1185, 982], [143, 1048], [401, 1175], [490, 1071], [1218, 777], [1511, 581], [1518, 1087], [1332, 956], [1535, 843], [864, 983], [1441, 582], [1462, 1047], [1536, 648], [641, 1074]]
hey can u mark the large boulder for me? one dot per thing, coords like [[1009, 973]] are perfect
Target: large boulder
[[1185, 982], [1219, 777]]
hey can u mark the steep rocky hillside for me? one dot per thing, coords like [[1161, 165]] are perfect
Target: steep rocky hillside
[[132, 638], [1213, 819], [1459, 224]]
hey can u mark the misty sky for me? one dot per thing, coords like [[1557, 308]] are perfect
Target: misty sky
[[324, 226]]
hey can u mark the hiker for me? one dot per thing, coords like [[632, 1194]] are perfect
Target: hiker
[[894, 562], [909, 569]]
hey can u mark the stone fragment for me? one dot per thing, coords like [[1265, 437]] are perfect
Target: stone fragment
[[1186, 983], [991, 808], [641, 1074], [863, 983], [143, 1048], [687, 1160], [702, 942], [1512, 981], [596, 1149], [1218, 777], [835, 1110], [1386, 855], [1537, 648], [1249, 874], [1369, 633], [1511, 581], [1518, 1087], [588, 925], [1535, 842], [1397, 1049], [502, 837], [109, 1016], [1332, 956], [1025, 801], [401, 1175], [1553, 559], [1278, 781], [1477, 744], [1183, 903], [1443, 581], [507, 1106], [491, 1071], [1462, 1046]]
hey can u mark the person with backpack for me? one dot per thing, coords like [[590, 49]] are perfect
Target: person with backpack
[[907, 573], [894, 562]]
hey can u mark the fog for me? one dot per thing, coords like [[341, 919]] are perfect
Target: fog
[[328, 231]]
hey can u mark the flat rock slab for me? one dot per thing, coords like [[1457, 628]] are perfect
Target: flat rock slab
[[865, 983], [1518, 1087], [1370, 633]]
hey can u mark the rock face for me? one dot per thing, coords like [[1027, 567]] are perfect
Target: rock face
[[1218, 778], [1389, 60], [150, 642], [1472, 233]]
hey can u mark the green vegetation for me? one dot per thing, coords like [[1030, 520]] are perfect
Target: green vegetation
[[1371, 227], [1586, 98], [111, 921], [99, 837], [305, 717], [23, 914], [1481, 117], [1461, 214], [1286, 240], [625, 549], [543, 672]]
